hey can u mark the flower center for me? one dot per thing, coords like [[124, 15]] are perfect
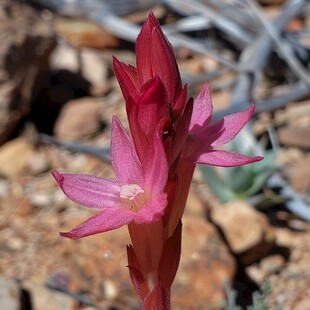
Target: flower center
[[131, 193]]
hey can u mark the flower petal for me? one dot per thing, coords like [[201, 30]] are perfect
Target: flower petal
[[227, 128], [104, 221], [90, 191], [125, 161], [225, 159], [152, 210], [202, 111]]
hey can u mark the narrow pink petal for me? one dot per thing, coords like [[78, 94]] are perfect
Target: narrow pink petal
[[106, 220], [202, 111], [152, 210], [125, 161], [226, 129], [90, 191], [225, 159]]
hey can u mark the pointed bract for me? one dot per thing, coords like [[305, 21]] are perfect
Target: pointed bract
[[155, 56]]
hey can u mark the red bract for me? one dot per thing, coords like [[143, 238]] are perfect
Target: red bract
[[155, 57], [155, 165]]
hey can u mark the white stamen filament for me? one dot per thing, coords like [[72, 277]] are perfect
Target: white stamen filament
[[132, 192]]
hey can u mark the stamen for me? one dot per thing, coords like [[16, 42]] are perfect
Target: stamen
[[130, 191]]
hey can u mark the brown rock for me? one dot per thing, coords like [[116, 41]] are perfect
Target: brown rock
[[91, 64], [14, 157], [195, 205], [272, 264], [95, 70], [205, 266], [65, 57], [79, 118], [45, 298], [294, 114], [18, 205], [295, 136], [247, 231], [37, 163], [9, 295], [26, 41], [84, 33], [256, 274], [296, 170]]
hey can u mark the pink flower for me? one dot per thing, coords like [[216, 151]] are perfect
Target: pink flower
[[204, 138], [136, 195], [154, 166]]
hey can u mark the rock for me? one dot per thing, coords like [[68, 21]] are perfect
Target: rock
[[95, 70], [65, 57], [23, 203], [91, 64], [9, 294], [195, 205], [205, 266], [247, 231], [26, 42], [37, 163], [256, 274], [290, 286], [295, 136], [4, 188], [14, 157], [78, 119], [296, 170], [297, 114], [272, 264], [47, 299], [302, 302], [84, 33]]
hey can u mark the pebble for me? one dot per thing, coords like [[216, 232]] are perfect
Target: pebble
[[9, 294], [79, 118], [247, 231]]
